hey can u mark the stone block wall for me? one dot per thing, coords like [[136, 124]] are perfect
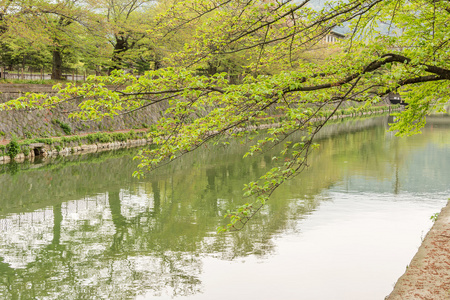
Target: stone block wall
[[46, 123], [14, 91]]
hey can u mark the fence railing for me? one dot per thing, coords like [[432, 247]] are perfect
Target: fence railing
[[22, 75]]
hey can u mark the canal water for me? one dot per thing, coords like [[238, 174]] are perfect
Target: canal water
[[83, 228]]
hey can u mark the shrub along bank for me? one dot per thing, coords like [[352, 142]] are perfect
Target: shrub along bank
[[28, 148]]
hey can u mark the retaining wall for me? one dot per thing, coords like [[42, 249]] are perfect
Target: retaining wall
[[428, 275], [32, 123], [44, 150]]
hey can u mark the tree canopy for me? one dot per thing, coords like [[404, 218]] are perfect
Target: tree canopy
[[266, 59]]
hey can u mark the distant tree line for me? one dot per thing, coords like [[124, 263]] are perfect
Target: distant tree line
[[99, 36], [95, 36]]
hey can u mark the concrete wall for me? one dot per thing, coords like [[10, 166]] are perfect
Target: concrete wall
[[27, 124]]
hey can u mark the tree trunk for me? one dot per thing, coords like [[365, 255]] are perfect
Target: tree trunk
[[57, 220], [158, 63], [118, 220], [212, 68], [120, 47], [57, 64]]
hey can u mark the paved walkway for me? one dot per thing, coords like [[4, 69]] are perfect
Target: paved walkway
[[428, 275]]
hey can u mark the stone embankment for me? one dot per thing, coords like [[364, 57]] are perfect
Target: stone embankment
[[63, 146], [54, 122], [42, 124], [44, 150], [428, 275]]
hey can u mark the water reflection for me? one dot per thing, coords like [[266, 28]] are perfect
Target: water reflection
[[82, 228]]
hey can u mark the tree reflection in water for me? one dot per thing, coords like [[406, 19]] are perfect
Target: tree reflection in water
[[82, 228]]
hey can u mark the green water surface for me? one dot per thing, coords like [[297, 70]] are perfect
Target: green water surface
[[82, 228]]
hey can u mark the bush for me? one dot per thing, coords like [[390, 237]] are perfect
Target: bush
[[13, 148], [28, 134], [119, 137], [104, 138], [64, 126], [26, 150], [47, 141], [132, 134]]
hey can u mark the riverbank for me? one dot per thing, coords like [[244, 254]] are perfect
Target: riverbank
[[64, 191], [428, 275], [28, 149]]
